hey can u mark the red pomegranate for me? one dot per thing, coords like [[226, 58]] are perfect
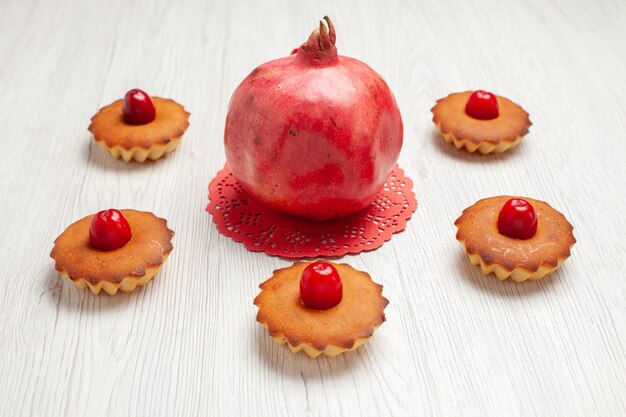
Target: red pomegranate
[[313, 134]]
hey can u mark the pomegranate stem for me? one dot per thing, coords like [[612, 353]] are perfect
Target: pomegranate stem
[[331, 30]]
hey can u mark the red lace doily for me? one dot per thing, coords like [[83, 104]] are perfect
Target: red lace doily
[[243, 219]]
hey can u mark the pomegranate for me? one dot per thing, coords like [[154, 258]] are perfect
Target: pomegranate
[[315, 133]]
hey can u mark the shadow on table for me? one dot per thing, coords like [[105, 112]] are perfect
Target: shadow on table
[[299, 365], [69, 296], [450, 150], [94, 155], [507, 288]]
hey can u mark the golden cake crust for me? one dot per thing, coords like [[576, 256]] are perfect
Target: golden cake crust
[[486, 136], [148, 248], [336, 330], [150, 140], [519, 258]]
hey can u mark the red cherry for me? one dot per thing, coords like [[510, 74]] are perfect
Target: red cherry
[[517, 219], [295, 51], [482, 105], [109, 230], [138, 108], [320, 286]]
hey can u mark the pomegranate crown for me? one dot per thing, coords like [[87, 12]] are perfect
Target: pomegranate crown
[[322, 38], [319, 49]]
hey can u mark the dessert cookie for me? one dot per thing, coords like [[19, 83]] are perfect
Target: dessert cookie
[[480, 121], [113, 250], [521, 238], [139, 127], [321, 307]]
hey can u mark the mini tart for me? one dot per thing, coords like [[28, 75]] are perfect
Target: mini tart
[[140, 142], [126, 268], [520, 259], [486, 136], [340, 329]]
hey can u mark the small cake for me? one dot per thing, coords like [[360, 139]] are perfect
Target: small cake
[[139, 127], [480, 121], [113, 250], [515, 237], [320, 307]]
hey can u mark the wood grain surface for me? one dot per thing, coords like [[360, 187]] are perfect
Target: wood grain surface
[[455, 342]]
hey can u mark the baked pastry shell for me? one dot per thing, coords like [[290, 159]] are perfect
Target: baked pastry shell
[[140, 142], [331, 332], [125, 268], [485, 136], [519, 259]]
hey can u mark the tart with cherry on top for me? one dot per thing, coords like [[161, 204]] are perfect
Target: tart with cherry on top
[[516, 237], [480, 121], [320, 307], [113, 250], [139, 127]]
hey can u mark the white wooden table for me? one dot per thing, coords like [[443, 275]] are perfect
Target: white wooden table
[[455, 342]]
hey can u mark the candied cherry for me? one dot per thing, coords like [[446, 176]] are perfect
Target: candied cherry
[[138, 107], [517, 219], [482, 105], [109, 230], [320, 286]]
